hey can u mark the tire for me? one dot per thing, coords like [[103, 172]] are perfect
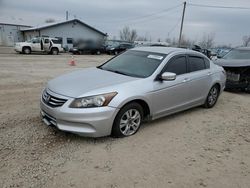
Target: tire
[[127, 121], [54, 51], [212, 97], [26, 50], [115, 52]]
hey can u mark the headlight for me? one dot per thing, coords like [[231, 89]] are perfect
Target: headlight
[[112, 48], [93, 101]]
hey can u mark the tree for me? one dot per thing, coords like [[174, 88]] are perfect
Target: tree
[[246, 40], [186, 42], [143, 38], [128, 35], [207, 41], [50, 20]]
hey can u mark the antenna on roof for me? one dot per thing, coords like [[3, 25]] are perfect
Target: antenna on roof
[[67, 15]]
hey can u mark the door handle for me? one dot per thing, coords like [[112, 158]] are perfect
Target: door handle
[[209, 73], [186, 80]]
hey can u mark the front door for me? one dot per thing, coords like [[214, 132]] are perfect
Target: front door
[[171, 96], [36, 45]]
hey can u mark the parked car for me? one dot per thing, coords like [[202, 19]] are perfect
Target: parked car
[[237, 66], [222, 52], [86, 47], [206, 52], [118, 48], [140, 84], [39, 44]]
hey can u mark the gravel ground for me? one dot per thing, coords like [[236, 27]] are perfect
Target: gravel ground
[[196, 148]]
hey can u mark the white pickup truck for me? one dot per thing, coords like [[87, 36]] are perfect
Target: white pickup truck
[[40, 44]]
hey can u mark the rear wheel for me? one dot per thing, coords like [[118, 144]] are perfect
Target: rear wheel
[[128, 120], [54, 51], [26, 50], [212, 97]]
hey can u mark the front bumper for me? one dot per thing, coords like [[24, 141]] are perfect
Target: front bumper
[[18, 48], [89, 122], [237, 85]]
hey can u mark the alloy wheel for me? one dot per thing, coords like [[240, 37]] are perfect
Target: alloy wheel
[[212, 96], [130, 122]]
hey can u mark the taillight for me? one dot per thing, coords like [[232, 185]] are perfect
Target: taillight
[[224, 72]]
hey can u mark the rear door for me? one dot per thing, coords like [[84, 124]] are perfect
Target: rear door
[[199, 78], [46, 45]]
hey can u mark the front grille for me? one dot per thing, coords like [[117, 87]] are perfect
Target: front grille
[[52, 101], [233, 76]]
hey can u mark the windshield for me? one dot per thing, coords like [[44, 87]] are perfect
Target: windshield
[[134, 63], [237, 54]]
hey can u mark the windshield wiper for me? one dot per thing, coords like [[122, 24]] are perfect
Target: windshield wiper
[[118, 72]]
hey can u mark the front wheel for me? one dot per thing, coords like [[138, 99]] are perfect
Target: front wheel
[[26, 50], [212, 97], [128, 120]]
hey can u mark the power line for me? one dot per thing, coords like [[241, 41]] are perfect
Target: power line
[[175, 25], [150, 15], [138, 18], [222, 7]]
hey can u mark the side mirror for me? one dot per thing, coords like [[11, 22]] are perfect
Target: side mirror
[[168, 76]]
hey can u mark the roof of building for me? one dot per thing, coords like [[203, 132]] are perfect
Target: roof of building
[[12, 24], [40, 27]]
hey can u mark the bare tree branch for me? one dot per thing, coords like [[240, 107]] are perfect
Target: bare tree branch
[[128, 35], [207, 41], [246, 40], [50, 20]]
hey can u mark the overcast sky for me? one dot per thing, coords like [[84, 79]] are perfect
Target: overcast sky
[[146, 16]]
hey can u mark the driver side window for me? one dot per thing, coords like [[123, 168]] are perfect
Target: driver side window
[[36, 40], [177, 65]]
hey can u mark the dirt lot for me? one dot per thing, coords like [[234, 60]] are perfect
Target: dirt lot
[[196, 148]]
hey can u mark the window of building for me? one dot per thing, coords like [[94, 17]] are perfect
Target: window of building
[[69, 41]]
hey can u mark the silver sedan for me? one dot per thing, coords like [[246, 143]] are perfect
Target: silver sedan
[[140, 84]]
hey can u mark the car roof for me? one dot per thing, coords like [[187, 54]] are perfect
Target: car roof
[[243, 48], [163, 50]]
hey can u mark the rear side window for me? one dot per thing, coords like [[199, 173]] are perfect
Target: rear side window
[[196, 63], [207, 63], [56, 41], [177, 65]]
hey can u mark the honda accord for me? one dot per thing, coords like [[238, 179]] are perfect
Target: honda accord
[[141, 84]]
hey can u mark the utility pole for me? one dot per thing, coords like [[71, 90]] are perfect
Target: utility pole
[[67, 15], [182, 20]]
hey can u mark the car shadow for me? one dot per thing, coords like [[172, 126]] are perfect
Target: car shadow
[[107, 139]]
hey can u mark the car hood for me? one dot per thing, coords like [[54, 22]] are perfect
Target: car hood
[[77, 83], [23, 43], [233, 62]]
